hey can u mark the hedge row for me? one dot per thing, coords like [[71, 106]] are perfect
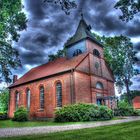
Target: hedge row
[[83, 112]]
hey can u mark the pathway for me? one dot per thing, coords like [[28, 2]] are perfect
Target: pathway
[[6, 132]]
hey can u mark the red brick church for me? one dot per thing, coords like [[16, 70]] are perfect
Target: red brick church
[[81, 76]]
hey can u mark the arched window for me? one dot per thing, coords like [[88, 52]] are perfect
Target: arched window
[[96, 53], [59, 94], [77, 52], [16, 99], [99, 85], [42, 97], [28, 96]]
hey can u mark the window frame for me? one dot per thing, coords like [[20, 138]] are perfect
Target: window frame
[[42, 98], [58, 86], [28, 98], [100, 84], [96, 53]]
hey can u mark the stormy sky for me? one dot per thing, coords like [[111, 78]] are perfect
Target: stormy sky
[[49, 28]]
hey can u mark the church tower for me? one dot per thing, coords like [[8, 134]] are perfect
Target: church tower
[[78, 43]]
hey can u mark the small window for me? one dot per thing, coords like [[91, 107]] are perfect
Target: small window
[[96, 53], [42, 97], [28, 95], [77, 52], [99, 85], [16, 100], [59, 94]]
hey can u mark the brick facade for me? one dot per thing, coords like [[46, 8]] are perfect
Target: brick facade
[[78, 76]]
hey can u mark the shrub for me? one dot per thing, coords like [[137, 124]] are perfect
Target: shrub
[[124, 109], [82, 112], [136, 113], [21, 114], [3, 116]]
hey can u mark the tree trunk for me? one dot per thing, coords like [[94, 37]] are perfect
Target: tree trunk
[[128, 92]]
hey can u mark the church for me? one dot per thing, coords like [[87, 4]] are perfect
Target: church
[[82, 76]]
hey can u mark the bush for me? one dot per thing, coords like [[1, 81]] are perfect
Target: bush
[[136, 113], [21, 114], [82, 112], [3, 116], [124, 109]]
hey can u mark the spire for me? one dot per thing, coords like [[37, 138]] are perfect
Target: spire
[[82, 32]]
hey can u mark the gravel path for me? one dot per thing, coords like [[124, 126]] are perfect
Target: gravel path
[[7, 132]]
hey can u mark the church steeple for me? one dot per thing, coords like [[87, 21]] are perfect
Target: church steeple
[[82, 32], [77, 43]]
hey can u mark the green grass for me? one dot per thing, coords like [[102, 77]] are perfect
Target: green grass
[[125, 131], [10, 123]]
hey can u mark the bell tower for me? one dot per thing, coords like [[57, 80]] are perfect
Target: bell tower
[[78, 43]]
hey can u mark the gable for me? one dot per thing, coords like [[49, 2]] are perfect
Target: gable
[[84, 65]]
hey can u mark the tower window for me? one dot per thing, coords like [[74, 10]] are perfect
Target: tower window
[[42, 97], [59, 94], [96, 53], [77, 52]]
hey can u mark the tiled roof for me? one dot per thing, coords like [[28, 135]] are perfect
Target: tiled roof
[[82, 32], [49, 69]]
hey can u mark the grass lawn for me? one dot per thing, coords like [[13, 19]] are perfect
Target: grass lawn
[[125, 131], [10, 123]]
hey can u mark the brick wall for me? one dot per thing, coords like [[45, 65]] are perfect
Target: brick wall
[[49, 93]]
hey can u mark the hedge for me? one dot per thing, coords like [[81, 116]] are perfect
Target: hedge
[[83, 112]]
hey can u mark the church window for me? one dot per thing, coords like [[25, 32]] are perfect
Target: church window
[[99, 85], [28, 95], [59, 94], [96, 53], [77, 52], [42, 97]]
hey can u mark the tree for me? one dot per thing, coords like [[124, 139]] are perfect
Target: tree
[[119, 55], [66, 5], [59, 54], [12, 21], [133, 94], [4, 98], [128, 8]]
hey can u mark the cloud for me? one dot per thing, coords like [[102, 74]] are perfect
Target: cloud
[[49, 28]]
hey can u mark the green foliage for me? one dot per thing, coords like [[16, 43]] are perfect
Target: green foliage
[[120, 57], [3, 116], [82, 112], [128, 8], [59, 54], [12, 21], [133, 94], [21, 115], [124, 109], [66, 5], [4, 99]]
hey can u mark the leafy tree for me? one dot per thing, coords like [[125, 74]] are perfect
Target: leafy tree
[[4, 98], [133, 94], [66, 5], [119, 55], [59, 54], [12, 21], [128, 8]]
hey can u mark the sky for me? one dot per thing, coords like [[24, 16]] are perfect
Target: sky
[[48, 28]]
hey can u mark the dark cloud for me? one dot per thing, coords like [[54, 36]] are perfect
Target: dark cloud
[[49, 27], [137, 46]]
